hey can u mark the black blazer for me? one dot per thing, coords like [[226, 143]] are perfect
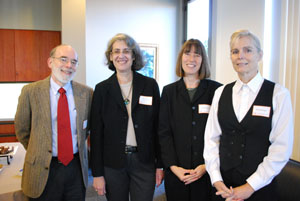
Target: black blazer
[[181, 126], [109, 121]]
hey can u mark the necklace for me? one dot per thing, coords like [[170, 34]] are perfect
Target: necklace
[[126, 99]]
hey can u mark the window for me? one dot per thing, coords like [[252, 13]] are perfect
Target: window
[[198, 20]]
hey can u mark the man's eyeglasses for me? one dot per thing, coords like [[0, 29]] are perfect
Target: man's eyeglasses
[[66, 60]]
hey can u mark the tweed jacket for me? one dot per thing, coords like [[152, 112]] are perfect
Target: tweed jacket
[[109, 121], [34, 130]]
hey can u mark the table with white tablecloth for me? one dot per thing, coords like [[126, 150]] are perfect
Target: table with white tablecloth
[[10, 175]]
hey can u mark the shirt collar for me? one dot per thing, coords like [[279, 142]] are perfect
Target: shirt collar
[[254, 85], [55, 87]]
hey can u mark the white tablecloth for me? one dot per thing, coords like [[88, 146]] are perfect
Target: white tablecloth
[[10, 177]]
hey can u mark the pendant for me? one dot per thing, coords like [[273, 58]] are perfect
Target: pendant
[[126, 101]]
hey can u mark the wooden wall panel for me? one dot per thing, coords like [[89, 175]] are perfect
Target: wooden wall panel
[[24, 54], [48, 40], [7, 132], [7, 54], [27, 55]]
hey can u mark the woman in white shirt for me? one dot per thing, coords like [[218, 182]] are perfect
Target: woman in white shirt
[[249, 132]]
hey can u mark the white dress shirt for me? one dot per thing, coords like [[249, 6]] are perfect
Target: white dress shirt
[[54, 96], [281, 136]]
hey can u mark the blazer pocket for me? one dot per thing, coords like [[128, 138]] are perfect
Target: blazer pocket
[[30, 159]]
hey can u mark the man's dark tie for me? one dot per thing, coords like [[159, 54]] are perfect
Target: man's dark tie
[[65, 147]]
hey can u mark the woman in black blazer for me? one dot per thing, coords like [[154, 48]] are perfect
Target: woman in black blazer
[[184, 110], [124, 122]]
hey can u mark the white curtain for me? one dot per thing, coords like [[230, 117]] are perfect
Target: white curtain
[[290, 61]]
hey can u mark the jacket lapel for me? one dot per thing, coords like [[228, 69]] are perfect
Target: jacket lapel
[[115, 91], [138, 86], [200, 90], [43, 96], [183, 91], [78, 100]]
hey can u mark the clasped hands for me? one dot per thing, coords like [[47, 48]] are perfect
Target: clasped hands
[[99, 182], [188, 176], [239, 193]]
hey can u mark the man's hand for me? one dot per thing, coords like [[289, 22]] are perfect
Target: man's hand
[[159, 176], [99, 185]]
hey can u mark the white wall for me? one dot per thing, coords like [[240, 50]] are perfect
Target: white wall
[[73, 32], [147, 21], [88, 25], [30, 14], [8, 105], [229, 16]]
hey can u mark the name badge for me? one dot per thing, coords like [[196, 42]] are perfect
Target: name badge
[[203, 108], [84, 125], [145, 100], [262, 111]]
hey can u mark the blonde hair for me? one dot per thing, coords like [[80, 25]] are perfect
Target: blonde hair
[[245, 33]]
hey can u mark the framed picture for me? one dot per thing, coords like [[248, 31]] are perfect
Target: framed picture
[[150, 52]]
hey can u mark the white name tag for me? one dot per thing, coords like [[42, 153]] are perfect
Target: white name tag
[[84, 125], [262, 111], [145, 100], [203, 108]]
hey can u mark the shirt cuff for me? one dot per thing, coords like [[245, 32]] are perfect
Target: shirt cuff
[[215, 176], [256, 182]]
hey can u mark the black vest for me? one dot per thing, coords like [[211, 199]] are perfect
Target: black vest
[[243, 145]]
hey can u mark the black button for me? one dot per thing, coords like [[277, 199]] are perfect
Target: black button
[[193, 123], [195, 153], [193, 108], [195, 137], [231, 142], [241, 157], [46, 168], [233, 131], [242, 145], [136, 126]]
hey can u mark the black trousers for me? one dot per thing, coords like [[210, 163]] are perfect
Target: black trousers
[[65, 183], [234, 178], [136, 180], [176, 190]]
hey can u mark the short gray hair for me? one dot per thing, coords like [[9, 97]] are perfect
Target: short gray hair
[[242, 33]]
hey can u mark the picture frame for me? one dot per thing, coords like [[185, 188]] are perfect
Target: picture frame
[[150, 53]]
